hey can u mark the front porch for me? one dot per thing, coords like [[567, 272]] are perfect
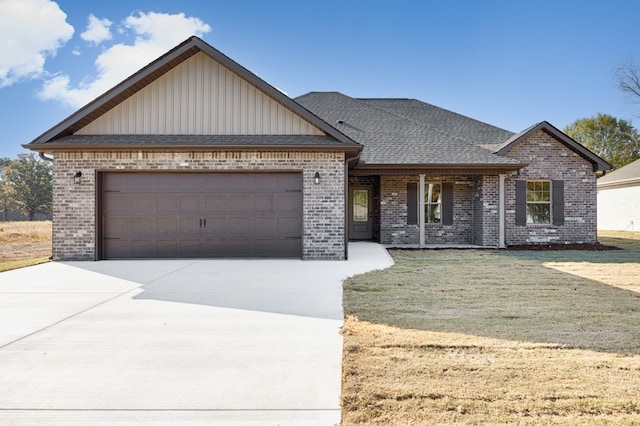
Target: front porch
[[427, 210]]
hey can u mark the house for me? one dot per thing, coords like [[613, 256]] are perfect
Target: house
[[196, 156], [619, 199]]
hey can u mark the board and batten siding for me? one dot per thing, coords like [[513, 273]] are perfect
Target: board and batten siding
[[200, 97]]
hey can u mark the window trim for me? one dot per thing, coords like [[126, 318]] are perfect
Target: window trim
[[437, 204], [549, 202]]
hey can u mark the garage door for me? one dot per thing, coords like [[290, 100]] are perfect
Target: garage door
[[178, 215]]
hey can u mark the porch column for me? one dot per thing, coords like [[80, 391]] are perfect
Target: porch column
[[421, 209], [501, 211]]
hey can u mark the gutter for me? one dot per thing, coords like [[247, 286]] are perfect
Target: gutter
[[618, 183], [182, 148]]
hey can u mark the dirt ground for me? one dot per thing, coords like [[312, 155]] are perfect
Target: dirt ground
[[24, 240]]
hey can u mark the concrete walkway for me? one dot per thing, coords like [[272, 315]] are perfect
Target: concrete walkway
[[228, 342]]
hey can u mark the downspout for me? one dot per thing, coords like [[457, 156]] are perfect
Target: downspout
[[44, 157], [346, 205]]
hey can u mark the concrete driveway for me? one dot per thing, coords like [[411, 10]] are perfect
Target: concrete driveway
[[233, 342]]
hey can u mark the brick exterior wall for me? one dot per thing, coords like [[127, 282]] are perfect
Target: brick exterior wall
[[486, 205], [394, 229], [551, 160], [476, 202], [74, 205]]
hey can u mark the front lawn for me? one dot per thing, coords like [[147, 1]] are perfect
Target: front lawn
[[487, 336]]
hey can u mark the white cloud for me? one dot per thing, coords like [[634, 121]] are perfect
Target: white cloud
[[155, 34], [30, 30], [97, 30]]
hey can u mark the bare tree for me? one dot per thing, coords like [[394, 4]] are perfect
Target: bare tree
[[629, 79]]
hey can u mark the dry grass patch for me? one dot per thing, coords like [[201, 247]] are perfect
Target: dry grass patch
[[24, 240], [477, 337]]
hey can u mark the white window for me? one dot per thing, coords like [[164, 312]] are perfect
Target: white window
[[538, 201], [432, 202]]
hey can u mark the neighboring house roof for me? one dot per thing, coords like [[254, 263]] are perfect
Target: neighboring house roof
[[598, 163], [627, 175], [157, 69], [407, 132]]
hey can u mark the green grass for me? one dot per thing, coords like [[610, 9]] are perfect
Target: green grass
[[16, 264], [495, 336], [501, 294]]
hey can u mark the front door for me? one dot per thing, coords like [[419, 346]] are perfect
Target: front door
[[360, 213]]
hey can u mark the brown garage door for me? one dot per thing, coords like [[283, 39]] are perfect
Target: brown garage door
[[176, 215]]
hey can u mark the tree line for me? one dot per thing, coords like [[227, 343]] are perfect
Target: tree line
[[25, 187]]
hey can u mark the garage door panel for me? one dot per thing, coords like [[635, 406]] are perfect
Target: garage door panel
[[116, 246], [289, 247], [113, 203], [239, 227], [170, 203], [190, 248], [168, 225], [289, 202], [216, 203], [266, 228], [263, 203], [143, 205], [141, 247], [238, 182], [117, 225], [189, 225], [240, 203], [142, 225], [167, 248], [288, 228], [214, 248], [190, 204], [216, 226], [201, 215]]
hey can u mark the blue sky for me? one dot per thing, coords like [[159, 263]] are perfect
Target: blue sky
[[509, 63]]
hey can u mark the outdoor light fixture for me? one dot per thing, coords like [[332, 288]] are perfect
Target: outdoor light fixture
[[76, 177], [316, 178]]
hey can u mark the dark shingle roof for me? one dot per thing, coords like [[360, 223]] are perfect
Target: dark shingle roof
[[443, 120], [407, 131]]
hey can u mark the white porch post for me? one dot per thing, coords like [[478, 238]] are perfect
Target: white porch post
[[501, 212], [421, 209]]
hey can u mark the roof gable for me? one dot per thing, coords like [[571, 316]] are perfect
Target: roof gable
[[117, 110], [200, 97], [598, 163]]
